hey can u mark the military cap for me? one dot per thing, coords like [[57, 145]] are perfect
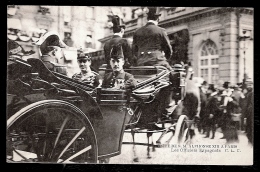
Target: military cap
[[81, 55]]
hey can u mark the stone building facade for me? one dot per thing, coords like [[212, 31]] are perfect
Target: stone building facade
[[78, 26], [218, 41], [212, 39]]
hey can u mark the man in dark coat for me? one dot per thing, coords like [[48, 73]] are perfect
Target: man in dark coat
[[151, 45], [118, 78], [250, 116], [118, 29], [212, 112], [203, 102]]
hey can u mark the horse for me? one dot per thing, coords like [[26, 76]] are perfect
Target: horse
[[190, 106]]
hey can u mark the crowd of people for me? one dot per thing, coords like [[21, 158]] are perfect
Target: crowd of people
[[228, 107]]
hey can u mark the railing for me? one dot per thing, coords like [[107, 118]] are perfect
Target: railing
[[131, 23]]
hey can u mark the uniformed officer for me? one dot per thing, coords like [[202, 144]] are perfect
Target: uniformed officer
[[86, 75], [151, 45], [51, 51], [118, 78], [118, 29]]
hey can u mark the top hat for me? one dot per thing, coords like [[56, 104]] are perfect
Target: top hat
[[16, 49], [82, 56], [117, 21], [212, 87], [117, 52], [226, 84], [204, 83], [153, 12]]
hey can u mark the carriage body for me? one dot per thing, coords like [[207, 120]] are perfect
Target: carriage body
[[106, 111]]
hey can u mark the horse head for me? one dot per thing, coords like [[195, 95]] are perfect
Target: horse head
[[189, 70]]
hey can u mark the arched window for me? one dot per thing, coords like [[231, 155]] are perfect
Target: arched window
[[208, 62]]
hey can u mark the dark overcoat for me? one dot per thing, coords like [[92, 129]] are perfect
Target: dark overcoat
[[153, 39]]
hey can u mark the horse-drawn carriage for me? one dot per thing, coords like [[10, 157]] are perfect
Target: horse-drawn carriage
[[53, 118]]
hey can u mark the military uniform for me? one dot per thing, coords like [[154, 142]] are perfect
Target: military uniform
[[90, 79], [116, 39], [119, 80]]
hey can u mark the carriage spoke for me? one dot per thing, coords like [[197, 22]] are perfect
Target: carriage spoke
[[185, 134], [78, 153], [73, 139], [59, 134]]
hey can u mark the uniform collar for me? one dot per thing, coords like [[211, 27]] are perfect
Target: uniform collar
[[87, 73], [118, 73], [118, 34]]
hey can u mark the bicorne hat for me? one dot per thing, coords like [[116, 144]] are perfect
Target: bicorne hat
[[16, 49], [153, 12], [116, 52], [118, 22], [50, 38]]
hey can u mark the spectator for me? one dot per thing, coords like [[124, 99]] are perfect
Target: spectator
[[212, 112]]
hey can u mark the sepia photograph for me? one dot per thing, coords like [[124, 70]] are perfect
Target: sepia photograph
[[130, 85]]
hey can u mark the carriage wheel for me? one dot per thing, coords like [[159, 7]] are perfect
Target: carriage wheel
[[51, 131], [182, 129]]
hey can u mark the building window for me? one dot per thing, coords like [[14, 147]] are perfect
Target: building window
[[208, 62]]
